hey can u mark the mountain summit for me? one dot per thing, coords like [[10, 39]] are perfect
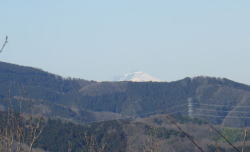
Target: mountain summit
[[137, 77]]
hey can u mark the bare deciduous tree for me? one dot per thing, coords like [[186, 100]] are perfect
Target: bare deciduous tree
[[151, 145], [92, 145], [35, 129], [244, 139], [18, 130]]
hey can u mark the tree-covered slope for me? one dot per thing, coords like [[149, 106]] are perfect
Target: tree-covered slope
[[79, 100], [154, 133]]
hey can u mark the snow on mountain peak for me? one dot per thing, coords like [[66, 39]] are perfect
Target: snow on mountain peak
[[137, 77]]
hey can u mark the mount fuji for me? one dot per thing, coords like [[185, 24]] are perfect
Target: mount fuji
[[137, 77]]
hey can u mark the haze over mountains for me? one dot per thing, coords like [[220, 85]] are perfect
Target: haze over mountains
[[191, 92], [86, 101], [124, 115]]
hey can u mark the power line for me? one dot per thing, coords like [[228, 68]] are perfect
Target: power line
[[134, 117], [165, 110], [219, 110], [219, 116], [173, 121], [217, 105], [168, 111], [225, 138], [220, 134]]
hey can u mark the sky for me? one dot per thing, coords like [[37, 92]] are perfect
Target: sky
[[98, 40]]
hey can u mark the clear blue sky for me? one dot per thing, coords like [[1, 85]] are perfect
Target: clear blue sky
[[99, 39]]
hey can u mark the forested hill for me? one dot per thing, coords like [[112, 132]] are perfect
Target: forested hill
[[79, 100]]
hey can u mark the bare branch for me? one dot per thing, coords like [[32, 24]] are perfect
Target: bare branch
[[36, 130], [4, 44]]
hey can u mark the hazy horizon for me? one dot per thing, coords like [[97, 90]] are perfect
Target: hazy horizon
[[98, 40]]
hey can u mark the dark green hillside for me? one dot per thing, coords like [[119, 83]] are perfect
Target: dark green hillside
[[39, 91], [28, 76], [58, 136]]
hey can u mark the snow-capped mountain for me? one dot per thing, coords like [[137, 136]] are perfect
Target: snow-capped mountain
[[137, 77]]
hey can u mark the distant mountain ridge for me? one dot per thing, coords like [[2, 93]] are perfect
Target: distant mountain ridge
[[87, 101]]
